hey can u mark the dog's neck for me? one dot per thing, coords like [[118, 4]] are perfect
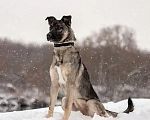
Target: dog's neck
[[64, 44]]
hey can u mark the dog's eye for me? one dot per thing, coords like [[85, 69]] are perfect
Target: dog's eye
[[54, 23], [51, 27]]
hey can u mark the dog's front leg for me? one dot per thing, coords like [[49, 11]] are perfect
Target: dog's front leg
[[54, 88], [69, 101], [69, 77]]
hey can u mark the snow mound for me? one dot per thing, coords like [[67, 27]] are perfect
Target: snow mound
[[141, 112]]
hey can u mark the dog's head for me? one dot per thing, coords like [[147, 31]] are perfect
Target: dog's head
[[60, 30]]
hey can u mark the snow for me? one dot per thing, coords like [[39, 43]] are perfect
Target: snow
[[141, 112]]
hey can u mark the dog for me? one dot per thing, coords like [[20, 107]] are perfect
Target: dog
[[68, 72]]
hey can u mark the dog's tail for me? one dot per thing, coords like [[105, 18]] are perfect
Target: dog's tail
[[129, 109]]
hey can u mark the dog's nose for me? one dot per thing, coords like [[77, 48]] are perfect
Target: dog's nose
[[49, 35]]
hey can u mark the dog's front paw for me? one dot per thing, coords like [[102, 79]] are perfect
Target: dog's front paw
[[49, 115], [65, 117]]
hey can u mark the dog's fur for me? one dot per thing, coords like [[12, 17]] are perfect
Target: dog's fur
[[68, 71]]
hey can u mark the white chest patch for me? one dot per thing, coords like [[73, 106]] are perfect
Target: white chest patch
[[61, 79]]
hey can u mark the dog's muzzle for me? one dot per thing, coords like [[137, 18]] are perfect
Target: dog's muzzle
[[49, 35]]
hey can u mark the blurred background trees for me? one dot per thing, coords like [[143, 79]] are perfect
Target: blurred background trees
[[116, 63], [117, 67]]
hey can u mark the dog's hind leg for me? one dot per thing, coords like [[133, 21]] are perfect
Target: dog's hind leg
[[54, 88], [78, 105], [88, 108], [81, 105], [96, 107], [64, 102]]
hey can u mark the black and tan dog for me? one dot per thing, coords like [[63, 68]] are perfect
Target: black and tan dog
[[68, 71]]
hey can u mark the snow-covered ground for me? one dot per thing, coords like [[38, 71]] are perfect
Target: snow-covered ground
[[141, 112]]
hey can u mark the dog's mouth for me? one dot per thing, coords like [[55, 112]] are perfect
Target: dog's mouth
[[49, 36]]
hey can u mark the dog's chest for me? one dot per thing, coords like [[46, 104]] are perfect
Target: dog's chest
[[60, 76]]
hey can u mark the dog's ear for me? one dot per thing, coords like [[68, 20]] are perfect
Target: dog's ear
[[67, 20], [50, 20]]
